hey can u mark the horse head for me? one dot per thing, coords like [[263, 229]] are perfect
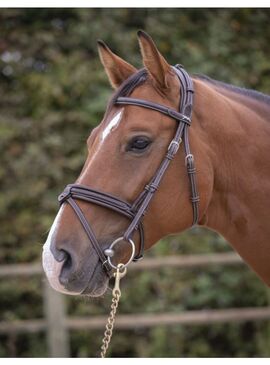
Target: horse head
[[125, 151]]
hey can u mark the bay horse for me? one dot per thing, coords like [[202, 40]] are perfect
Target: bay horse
[[102, 217]]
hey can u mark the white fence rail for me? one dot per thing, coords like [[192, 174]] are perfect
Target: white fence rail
[[57, 324]]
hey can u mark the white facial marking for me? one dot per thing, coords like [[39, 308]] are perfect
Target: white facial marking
[[112, 124], [52, 267]]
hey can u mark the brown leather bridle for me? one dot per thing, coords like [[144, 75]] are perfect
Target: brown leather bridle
[[136, 211]]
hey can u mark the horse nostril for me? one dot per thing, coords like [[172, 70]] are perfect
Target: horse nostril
[[68, 261], [66, 269], [59, 255], [63, 255]]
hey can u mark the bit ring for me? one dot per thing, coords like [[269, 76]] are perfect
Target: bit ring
[[110, 249]]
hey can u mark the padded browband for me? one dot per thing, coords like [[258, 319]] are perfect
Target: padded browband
[[154, 106]]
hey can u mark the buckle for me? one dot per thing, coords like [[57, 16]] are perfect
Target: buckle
[[189, 159], [186, 120], [176, 143]]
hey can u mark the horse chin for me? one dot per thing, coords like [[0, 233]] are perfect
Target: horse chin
[[98, 284], [97, 292]]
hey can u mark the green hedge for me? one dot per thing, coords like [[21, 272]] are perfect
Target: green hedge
[[53, 91]]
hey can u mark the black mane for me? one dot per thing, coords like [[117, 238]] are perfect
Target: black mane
[[141, 76], [257, 95]]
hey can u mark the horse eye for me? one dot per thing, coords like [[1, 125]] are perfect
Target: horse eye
[[138, 144]]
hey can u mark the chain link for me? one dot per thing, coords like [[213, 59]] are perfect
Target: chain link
[[109, 326], [120, 272]]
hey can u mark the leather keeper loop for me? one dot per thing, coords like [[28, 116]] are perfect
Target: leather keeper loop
[[195, 199], [151, 187], [170, 156], [65, 195], [191, 170]]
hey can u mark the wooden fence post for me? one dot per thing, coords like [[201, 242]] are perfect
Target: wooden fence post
[[57, 333]]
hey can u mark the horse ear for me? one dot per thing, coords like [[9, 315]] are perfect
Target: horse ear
[[153, 60], [116, 68]]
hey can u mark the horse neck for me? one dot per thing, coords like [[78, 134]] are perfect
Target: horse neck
[[233, 133]]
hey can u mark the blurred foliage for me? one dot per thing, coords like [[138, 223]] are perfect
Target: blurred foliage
[[53, 91]]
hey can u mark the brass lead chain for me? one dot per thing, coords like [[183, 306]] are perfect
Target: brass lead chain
[[119, 274]]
